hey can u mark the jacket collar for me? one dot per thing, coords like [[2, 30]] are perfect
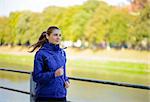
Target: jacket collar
[[51, 47]]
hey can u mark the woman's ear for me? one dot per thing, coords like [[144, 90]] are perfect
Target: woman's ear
[[46, 36]]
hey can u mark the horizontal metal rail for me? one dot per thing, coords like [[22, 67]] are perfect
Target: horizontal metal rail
[[18, 71], [16, 90], [138, 86]]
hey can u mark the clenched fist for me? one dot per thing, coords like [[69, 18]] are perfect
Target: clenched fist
[[59, 72], [67, 84]]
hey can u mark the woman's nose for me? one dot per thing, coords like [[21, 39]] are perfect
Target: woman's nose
[[59, 37]]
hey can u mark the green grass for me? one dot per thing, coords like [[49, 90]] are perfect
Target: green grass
[[26, 61], [96, 69], [21, 62], [137, 68]]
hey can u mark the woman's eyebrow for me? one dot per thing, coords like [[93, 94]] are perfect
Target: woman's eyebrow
[[57, 34]]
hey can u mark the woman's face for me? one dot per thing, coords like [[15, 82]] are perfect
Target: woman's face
[[55, 37]]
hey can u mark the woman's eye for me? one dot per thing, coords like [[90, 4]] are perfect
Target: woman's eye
[[57, 35]]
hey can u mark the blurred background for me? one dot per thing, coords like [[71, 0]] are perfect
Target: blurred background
[[105, 40]]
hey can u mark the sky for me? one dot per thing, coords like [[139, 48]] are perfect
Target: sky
[[7, 6]]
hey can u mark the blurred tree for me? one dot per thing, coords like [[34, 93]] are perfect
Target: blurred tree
[[97, 26], [23, 27], [118, 26], [140, 28], [4, 29], [93, 22], [12, 24], [83, 15]]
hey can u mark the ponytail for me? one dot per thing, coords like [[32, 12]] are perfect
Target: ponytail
[[42, 38], [41, 41]]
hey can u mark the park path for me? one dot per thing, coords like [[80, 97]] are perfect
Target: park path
[[101, 55]]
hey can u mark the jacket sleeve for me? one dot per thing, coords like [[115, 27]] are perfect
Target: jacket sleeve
[[66, 78], [38, 75]]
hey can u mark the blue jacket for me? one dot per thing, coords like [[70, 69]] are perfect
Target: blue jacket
[[47, 60]]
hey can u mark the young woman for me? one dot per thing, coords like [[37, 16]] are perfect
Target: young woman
[[49, 67]]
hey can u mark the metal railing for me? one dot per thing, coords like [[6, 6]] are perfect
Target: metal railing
[[137, 86]]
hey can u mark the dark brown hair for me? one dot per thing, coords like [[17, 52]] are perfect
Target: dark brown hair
[[42, 38]]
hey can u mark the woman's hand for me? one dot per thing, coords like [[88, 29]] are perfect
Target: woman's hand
[[59, 72], [67, 84]]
